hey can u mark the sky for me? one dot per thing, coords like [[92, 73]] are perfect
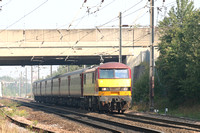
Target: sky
[[76, 14]]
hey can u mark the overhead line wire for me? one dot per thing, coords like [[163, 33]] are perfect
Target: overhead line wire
[[132, 41], [6, 3], [94, 12], [73, 19], [132, 6], [116, 18], [24, 16], [86, 14], [107, 22], [69, 25]]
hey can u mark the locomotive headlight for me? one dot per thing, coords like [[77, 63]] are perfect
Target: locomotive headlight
[[104, 89], [124, 89]]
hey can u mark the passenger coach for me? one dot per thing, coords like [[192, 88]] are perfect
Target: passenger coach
[[104, 88]]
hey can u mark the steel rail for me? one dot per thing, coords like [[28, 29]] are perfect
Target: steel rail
[[91, 120], [25, 125], [153, 120]]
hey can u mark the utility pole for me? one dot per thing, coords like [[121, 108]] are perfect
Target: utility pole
[[1, 87], [31, 81], [51, 70], [20, 84], [0, 6], [120, 37], [151, 68], [26, 83], [38, 72]]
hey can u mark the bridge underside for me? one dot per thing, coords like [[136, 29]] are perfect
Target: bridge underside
[[57, 60]]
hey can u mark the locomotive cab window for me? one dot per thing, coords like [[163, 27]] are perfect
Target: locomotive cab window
[[113, 73], [121, 73]]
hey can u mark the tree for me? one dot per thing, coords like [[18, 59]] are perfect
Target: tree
[[191, 84], [179, 52]]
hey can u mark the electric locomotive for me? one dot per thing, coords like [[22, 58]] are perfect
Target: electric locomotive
[[104, 88]]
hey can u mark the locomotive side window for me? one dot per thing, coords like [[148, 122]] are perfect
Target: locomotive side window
[[113, 73]]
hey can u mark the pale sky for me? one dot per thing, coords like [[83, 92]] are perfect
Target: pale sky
[[53, 14], [70, 14]]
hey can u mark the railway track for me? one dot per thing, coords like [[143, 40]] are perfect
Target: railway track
[[25, 125], [119, 122], [84, 118], [159, 122]]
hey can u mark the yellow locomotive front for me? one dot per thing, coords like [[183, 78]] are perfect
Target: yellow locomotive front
[[114, 85]]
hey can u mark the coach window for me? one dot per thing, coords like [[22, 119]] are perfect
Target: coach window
[[84, 79], [59, 82], [93, 77], [45, 86], [51, 85], [40, 85], [36, 87]]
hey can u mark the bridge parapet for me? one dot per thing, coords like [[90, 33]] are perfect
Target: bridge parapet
[[77, 42], [133, 35]]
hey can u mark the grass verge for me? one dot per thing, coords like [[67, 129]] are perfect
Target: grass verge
[[186, 111], [5, 125], [192, 112], [12, 108]]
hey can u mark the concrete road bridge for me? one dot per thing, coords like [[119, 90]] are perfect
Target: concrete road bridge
[[66, 47]]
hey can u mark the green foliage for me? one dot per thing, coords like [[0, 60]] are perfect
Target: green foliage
[[34, 122], [189, 111], [10, 86], [179, 61], [9, 103], [21, 113], [12, 111], [141, 91], [141, 87]]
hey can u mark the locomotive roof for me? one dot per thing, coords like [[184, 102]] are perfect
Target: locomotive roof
[[111, 65]]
